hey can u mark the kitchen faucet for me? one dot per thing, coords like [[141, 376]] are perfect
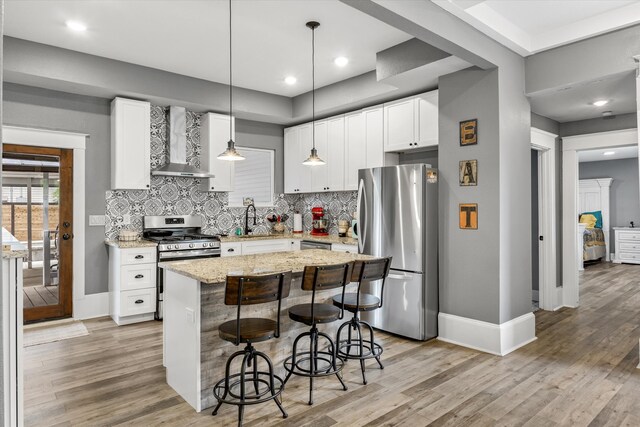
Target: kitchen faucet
[[247, 230]]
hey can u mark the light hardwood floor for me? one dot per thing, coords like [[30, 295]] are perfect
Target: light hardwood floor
[[580, 371]]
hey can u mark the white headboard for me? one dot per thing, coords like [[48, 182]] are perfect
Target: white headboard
[[593, 195]]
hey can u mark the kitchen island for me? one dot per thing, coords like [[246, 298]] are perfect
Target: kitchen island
[[193, 353]]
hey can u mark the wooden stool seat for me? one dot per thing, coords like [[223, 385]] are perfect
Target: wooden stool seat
[[251, 330], [368, 302], [322, 313]]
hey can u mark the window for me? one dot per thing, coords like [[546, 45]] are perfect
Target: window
[[253, 177]]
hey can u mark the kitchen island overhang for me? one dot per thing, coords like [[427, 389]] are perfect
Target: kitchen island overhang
[[193, 353]]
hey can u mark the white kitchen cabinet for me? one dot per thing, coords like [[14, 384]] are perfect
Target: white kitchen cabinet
[[229, 249], [130, 144], [411, 123], [355, 147], [132, 284], [214, 136], [427, 119], [294, 244], [330, 146], [297, 147], [374, 136], [320, 173], [399, 125], [340, 247], [265, 246]]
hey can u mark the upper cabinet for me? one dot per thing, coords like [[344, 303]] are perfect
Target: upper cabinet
[[367, 138], [214, 135], [130, 144], [411, 123], [297, 147], [329, 136]]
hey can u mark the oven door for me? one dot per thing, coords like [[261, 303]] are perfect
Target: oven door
[[177, 256]]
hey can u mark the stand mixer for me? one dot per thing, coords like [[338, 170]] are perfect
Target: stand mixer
[[320, 224]]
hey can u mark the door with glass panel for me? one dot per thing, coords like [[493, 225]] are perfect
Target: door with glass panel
[[37, 209]]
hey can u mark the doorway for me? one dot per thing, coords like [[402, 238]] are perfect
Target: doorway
[[37, 193], [535, 229]]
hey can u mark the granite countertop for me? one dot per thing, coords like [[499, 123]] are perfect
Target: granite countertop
[[141, 243], [14, 254], [215, 270], [333, 238]]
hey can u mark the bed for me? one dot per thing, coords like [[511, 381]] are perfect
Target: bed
[[593, 199]]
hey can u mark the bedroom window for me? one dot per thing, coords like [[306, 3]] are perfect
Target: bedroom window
[[254, 177]]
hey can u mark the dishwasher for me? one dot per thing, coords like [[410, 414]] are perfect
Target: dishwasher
[[306, 244]]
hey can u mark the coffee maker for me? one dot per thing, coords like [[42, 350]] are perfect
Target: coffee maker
[[320, 224]]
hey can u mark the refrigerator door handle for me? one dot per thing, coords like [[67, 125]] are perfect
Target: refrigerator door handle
[[403, 276], [362, 208]]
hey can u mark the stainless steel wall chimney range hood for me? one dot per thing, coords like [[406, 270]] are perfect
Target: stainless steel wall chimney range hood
[[178, 165]]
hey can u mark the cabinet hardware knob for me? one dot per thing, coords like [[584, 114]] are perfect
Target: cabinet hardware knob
[[231, 250], [66, 236], [139, 256], [139, 301], [139, 276], [147, 185], [212, 188]]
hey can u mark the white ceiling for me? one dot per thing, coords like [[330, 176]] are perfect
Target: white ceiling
[[530, 26], [629, 152], [190, 37], [574, 103]]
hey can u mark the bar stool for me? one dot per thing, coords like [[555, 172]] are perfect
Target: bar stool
[[232, 389], [363, 349], [317, 363]]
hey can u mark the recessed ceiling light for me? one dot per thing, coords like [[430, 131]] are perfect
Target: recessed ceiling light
[[600, 102], [290, 80], [76, 26], [609, 153], [341, 61]]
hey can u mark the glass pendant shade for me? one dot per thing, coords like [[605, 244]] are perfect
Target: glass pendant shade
[[314, 159], [230, 154]]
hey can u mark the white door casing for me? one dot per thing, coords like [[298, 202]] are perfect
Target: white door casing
[[544, 142]]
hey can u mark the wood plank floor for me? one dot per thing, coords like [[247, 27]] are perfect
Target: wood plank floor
[[581, 371], [34, 294]]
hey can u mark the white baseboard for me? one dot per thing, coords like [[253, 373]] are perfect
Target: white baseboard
[[488, 337], [90, 306]]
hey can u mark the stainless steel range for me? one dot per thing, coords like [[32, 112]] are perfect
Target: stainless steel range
[[178, 238]]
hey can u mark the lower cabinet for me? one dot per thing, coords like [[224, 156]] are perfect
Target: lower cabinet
[[132, 284], [339, 247], [259, 247]]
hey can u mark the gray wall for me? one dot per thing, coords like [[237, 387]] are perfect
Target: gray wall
[[625, 194], [470, 259], [604, 124], [39, 108], [429, 157], [42, 108], [535, 255]]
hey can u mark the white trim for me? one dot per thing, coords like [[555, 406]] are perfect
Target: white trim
[[90, 306], [43, 137], [570, 180], [76, 142], [545, 143], [488, 337], [602, 186], [615, 138]]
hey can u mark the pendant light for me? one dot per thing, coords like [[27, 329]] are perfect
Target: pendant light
[[230, 154], [314, 159]]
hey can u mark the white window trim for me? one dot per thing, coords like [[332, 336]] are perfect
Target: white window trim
[[273, 171]]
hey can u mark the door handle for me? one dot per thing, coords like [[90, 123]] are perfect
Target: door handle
[[139, 276], [399, 276]]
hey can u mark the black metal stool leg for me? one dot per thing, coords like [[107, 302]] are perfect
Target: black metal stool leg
[[227, 371], [372, 343], [271, 382], [313, 361], [240, 415], [361, 354], [334, 351]]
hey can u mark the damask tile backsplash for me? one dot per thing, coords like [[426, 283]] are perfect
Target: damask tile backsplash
[[182, 196]]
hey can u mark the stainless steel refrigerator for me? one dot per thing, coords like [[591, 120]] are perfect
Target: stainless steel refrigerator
[[398, 217]]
